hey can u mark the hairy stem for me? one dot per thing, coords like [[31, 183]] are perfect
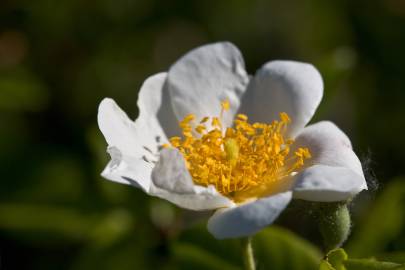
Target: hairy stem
[[248, 254]]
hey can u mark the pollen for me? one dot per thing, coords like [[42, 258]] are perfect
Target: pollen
[[241, 159], [225, 105]]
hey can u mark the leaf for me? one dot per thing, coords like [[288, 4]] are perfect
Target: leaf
[[116, 243], [196, 245], [54, 179], [277, 248], [338, 260], [114, 226], [370, 264], [273, 248], [47, 219], [64, 223], [189, 256], [125, 254], [397, 257], [22, 91], [383, 223]]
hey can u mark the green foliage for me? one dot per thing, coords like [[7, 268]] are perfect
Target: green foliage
[[273, 248], [370, 264], [226, 252], [338, 260], [21, 92], [383, 223], [64, 222], [397, 257], [278, 248], [189, 256]]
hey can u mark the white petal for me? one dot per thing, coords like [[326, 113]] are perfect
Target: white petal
[[133, 138], [116, 127], [128, 170], [172, 181], [284, 86], [323, 183], [329, 146], [154, 102], [204, 77], [249, 218], [135, 141], [337, 173]]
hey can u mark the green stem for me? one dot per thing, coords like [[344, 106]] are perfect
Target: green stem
[[248, 254]]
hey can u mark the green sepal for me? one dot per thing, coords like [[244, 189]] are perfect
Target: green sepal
[[334, 260]]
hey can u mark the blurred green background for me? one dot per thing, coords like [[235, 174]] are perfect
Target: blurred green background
[[58, 59]]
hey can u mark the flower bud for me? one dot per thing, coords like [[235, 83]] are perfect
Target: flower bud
[[334, 224]]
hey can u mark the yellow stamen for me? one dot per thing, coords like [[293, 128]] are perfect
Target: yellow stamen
[[242, 160], [285, 118], [200, 129], [204, 120], [216, 122], [225, 105], [242, 117]]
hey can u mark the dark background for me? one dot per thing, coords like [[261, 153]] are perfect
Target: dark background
[[58, 59]]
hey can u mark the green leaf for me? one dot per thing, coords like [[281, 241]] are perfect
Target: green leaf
[[22, 91], [338, 260], [397, 257], [114, 226], [125, 254], [383, 223], [189, 256], [277, 248], [54, 179], [273, 248], [196, 247], [47, 219], [42, 222], [370, 264]]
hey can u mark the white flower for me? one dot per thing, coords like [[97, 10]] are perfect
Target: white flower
[[202, 82]]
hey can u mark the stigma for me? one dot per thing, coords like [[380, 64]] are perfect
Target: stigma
[[238, 160]]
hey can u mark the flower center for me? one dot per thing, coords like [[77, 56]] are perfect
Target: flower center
[[241, 159]]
